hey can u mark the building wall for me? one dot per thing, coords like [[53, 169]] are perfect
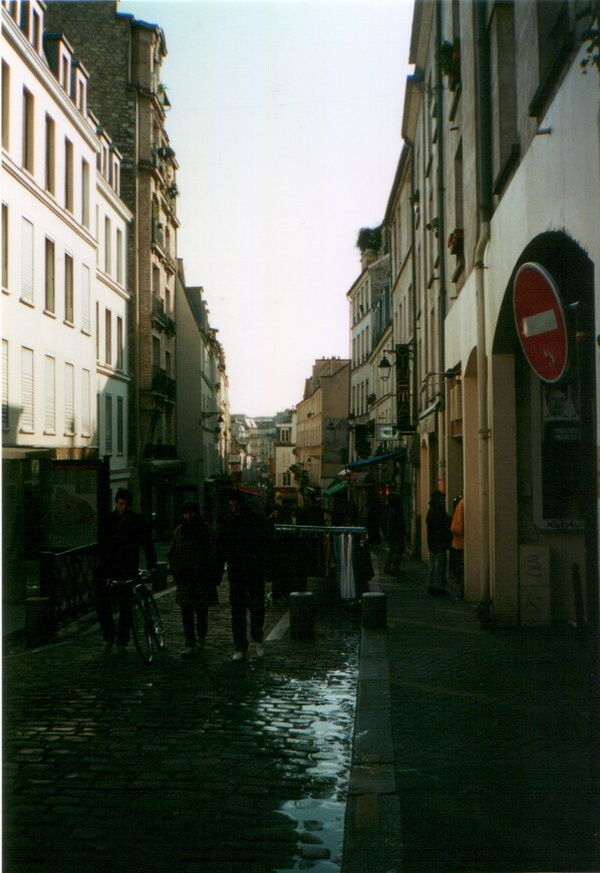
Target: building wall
[[67, 340]]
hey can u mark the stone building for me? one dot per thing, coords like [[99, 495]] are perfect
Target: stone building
[[492, 230], [322, 423], [124, 58]]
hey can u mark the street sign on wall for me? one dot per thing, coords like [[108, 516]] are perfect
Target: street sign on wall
[[540, 321]]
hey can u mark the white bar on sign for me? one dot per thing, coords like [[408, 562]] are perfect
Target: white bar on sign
[[541, 322]]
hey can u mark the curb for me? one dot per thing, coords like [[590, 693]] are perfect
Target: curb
[[372, 833]]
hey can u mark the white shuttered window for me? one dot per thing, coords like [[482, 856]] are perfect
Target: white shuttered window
[[85, 402], [69, 399], [26, 390], [27, 260], [5, 416], [50, 394], [85, 299]]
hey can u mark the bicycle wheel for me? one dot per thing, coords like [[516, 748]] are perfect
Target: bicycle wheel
[[156, 621], [141, 627]]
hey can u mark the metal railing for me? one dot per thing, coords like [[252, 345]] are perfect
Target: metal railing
[[67, 580]]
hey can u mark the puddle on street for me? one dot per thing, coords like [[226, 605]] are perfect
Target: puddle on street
[[318, 817]]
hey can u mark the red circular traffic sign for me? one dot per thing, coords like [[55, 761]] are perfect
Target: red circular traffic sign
[[540, 321]]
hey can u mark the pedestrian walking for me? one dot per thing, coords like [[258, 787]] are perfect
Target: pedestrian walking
[[372, 516], [245, 540], [456, 564], [438, 542], [395, 533], [195, 568], [122, 534]]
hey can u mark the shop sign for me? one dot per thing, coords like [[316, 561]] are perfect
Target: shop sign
[[540, 321]]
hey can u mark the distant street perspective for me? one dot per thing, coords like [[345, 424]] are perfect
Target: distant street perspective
[[300, 311]]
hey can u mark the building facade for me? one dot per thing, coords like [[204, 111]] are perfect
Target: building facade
[[492, 231], [127, 93]]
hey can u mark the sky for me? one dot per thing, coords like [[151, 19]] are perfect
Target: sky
[[286, 122]]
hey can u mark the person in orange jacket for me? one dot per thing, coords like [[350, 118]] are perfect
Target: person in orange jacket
[[457, 547]]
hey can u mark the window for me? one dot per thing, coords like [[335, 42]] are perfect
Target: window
[[5, 105], [69, 315], [26, 390], [85, 402], [85, 193], [28, 130], [49, 301], [5, 414], [107, 251], [85, 299], [50, 154], [97, 331], [27, 260], [4, 245], [119, 257], [503, 95], [155, 351], [168, 363], [107, 337], [49, 394], [68, 175], [119, 343], [120, 426], [37, 32], [69, 399], [108, 428], [97, 236]]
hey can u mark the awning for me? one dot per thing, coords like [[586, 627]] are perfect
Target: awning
[[377, 459], [335, 488], [164, 465]]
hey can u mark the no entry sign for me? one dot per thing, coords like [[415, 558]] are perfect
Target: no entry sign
[[540, 321]]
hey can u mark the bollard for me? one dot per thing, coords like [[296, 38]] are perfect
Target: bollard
[[40, 623], [373, 609], [324, 589], [302, 615]]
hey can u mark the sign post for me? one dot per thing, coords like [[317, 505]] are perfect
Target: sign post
[[540, 322]]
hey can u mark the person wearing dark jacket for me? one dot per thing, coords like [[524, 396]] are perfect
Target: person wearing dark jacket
[[439, 538], [395, 533], [245, 540], [122, 535], [195, 568]]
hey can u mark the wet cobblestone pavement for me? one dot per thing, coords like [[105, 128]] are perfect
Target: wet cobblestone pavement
[[192, 766]]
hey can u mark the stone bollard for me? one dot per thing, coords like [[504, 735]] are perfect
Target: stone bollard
[[40, 624], [324, 589], [373, 610], [302, 615]]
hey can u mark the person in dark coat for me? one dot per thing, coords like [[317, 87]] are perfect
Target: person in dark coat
[[395, 533], [122, 534], [245, 541], [439, 538], [194, 565]]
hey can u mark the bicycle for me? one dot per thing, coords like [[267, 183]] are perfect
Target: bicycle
[[146, 625]]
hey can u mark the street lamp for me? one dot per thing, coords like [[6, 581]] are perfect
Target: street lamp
[[205, 415], [384, 367], [403, 353]]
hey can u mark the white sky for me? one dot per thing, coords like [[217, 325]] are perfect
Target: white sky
[[286, 119]]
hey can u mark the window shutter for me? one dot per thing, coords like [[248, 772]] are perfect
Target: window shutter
[[108, 433], [50, 394], [85, 299], [27, 260], [85, 402], [5, 421], [27, 389], [69, 399]]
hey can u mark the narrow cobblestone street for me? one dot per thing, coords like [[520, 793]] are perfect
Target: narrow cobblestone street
[[185, 765]]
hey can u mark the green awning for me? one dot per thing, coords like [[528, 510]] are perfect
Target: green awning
[[335, 488]]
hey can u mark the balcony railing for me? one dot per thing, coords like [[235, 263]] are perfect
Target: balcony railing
[[160, 316], [163, 384]]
